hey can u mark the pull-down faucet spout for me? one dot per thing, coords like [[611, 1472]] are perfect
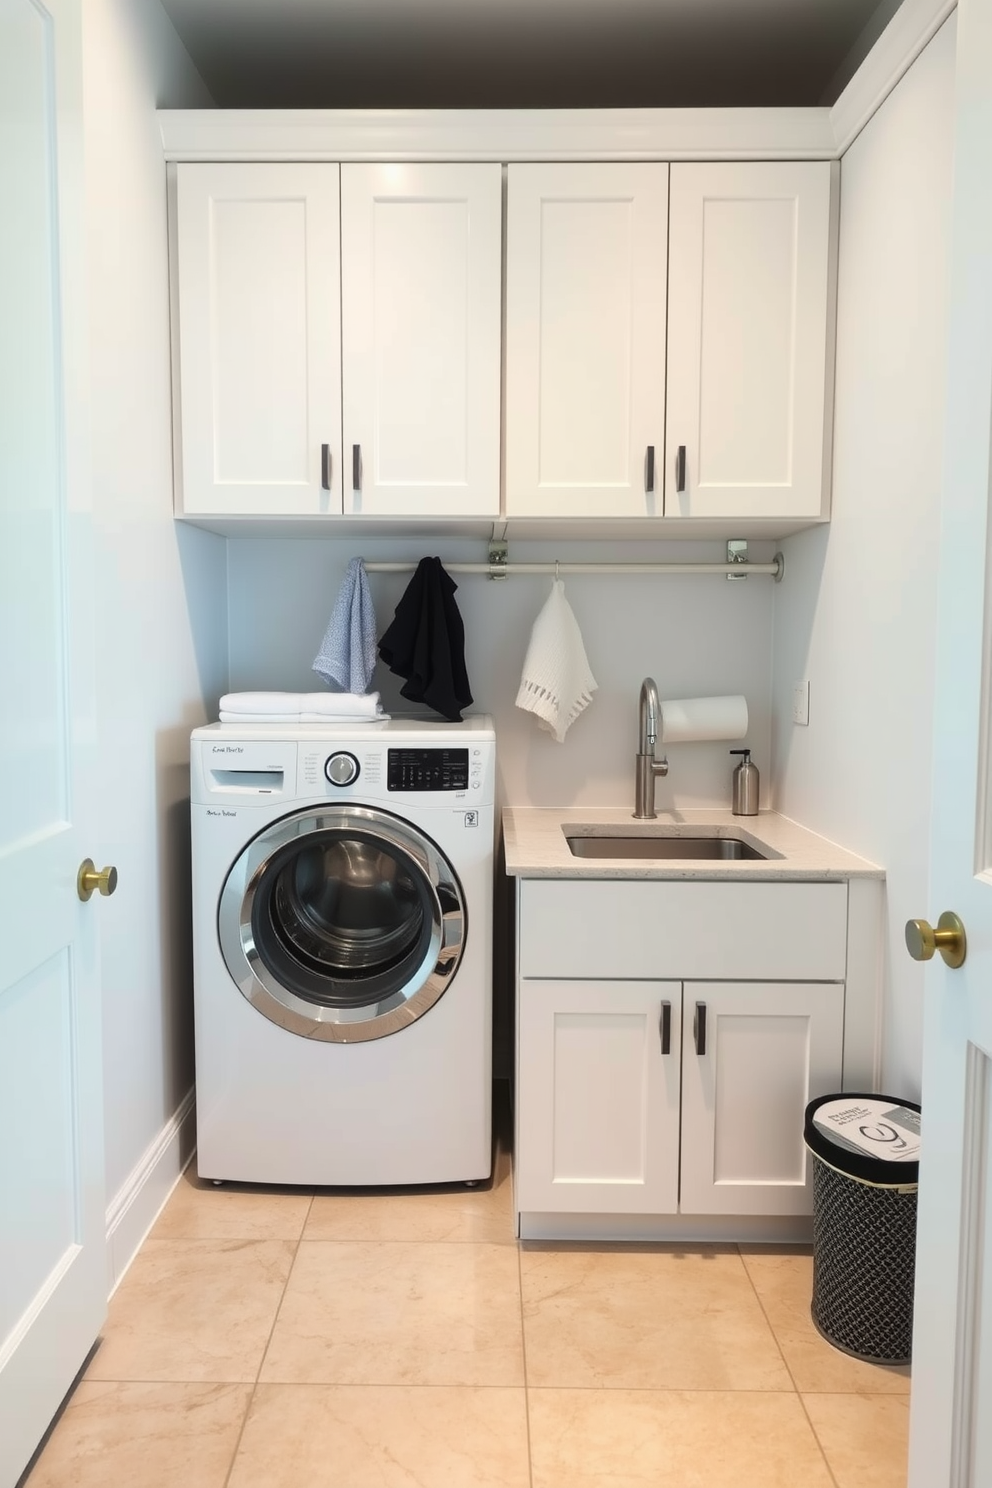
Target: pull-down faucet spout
[[648, 768]]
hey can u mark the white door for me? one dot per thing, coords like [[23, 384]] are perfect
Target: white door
[[598, 1097], [53, 1263], [421, 249], [951, 1421], [586, 259], [259, 289], [753, 1056], [748, 277]]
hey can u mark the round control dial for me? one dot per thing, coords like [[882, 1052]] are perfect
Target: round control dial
[[341, 768]]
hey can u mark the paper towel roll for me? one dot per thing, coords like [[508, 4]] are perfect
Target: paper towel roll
[[694, 719]]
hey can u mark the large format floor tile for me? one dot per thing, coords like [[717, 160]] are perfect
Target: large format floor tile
[[399, 1314], [641, 1318], [144, 1436], [450, 1213], [672, 1439], [194, 1310], [358, 1436], [865, 1437], [268, 1338], [783, 1281], [199, 1211]]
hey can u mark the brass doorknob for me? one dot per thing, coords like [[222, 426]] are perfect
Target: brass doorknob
[[948, 938], [88, 880]]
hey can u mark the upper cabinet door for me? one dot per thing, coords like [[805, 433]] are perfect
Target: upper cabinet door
[[585, 347], [749, 277], [421, 283], [258, 265]]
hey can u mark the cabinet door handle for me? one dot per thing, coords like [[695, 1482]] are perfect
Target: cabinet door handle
[[699, 1028], [666, 1028], [356, 467], [325, 466], [680, 469], [649, 474]]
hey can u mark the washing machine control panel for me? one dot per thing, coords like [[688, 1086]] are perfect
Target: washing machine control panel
[[427, 770]]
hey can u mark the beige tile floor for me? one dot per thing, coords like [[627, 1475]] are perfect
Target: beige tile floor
[[282, 1339]]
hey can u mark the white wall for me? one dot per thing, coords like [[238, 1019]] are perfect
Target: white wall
[[161, 621], [856, 613], [696, 635]]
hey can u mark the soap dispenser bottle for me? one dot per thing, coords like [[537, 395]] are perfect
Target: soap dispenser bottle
[[745, 786]]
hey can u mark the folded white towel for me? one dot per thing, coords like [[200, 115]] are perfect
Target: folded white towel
[[557, 683], [327, 718], [284, 705], [347, 653]]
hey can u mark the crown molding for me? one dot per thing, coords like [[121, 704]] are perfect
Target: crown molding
[[497, 134], [914, 24]]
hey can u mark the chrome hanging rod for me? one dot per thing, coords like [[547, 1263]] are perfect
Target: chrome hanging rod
[[736, 570]]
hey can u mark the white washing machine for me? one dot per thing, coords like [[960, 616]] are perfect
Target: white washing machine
[[342, 951]]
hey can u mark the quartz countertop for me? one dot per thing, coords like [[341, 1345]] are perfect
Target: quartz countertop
[[536, 847]]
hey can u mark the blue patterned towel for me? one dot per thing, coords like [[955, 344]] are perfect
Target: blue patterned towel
[[346, 658]]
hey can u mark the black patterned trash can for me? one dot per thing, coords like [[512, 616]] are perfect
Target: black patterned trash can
[[866, 1168]]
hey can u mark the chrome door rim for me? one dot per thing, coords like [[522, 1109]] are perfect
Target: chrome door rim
[[345, 1025]]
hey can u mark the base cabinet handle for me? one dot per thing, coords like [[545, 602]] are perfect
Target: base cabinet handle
[[699, 1028], [666, 1028]]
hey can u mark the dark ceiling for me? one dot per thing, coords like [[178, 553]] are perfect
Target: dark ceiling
[[407, 54]]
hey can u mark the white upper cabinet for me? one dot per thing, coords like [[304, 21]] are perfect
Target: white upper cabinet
[[668, 335], [585, 339], [421, 291], [259, 354], [748, 337]]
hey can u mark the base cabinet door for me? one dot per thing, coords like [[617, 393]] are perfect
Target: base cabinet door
[[598, 1097], [748, 337], [753, 1056], [421, 322], [258, 411]]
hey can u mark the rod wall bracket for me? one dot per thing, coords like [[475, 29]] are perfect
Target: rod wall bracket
[[497, 559], [737, 553]]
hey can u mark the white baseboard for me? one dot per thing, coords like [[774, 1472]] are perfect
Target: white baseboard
[[139, 1201]]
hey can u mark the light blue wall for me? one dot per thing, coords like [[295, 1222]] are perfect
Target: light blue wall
[[696, 635]]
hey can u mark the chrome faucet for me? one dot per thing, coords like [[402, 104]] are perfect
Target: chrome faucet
[[648, 768]]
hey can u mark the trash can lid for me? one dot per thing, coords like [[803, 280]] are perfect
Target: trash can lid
[[873, 1137]]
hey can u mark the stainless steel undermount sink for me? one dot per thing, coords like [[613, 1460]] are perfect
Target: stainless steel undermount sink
[[710, 849]]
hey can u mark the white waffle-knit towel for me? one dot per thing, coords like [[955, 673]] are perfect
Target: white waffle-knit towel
[[346, 658], [557, 683]]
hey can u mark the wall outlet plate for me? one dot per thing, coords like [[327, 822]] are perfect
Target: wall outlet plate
[[800, 703]]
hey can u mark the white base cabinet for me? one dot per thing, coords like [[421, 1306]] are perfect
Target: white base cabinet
[[754, 1054], [598, 1087], [669, 1037]]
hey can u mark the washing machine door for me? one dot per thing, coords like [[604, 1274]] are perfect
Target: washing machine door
[[342, 923]]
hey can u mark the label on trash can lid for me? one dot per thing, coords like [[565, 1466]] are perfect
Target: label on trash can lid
[[871, 1126]]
